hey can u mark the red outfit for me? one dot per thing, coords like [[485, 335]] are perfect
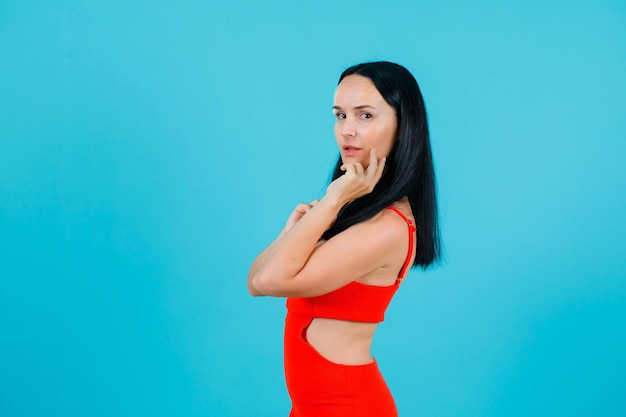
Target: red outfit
[[321, 388]]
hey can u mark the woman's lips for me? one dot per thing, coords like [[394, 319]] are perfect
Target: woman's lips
[[351, 150]]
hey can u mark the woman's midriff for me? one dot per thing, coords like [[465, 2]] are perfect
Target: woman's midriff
[[340, 341], [320, 384]]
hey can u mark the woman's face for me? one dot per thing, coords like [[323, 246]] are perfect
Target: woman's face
[[364, 120]]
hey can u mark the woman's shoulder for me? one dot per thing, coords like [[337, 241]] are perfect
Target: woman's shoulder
[[400, 211], [392, 221]]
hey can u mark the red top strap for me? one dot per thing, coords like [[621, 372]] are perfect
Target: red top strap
[[412, 230]]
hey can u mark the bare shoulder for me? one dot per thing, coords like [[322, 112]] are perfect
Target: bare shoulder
[[384, 224], [391, 218], [387, 229], [405, 208], [393, 224], [388, 233]]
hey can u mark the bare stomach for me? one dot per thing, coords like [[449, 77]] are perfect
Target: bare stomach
[[342, 342]]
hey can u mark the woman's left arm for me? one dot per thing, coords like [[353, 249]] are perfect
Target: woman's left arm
[[287, 256], [300, 210]]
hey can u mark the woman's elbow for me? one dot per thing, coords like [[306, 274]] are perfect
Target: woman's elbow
[[253, 291], [263, 284], [252, 288]]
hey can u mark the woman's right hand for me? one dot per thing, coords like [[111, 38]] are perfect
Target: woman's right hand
[[300, 210], [357, 181]]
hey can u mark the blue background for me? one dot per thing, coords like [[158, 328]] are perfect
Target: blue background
[[150, 149]]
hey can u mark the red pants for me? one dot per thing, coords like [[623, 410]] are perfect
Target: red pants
[[321, 388]]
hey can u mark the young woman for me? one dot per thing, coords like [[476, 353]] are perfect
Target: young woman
[[340, 260]]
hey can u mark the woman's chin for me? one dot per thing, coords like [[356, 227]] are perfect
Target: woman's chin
[[354, 160]]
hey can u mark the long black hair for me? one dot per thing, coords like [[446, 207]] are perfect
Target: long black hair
[[409, 170]]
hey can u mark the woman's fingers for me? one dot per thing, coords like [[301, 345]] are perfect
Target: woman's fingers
[[376, 168], [305, 207], [379, 170], [356, 180], [359, 169], [372, 173], [373, 162]]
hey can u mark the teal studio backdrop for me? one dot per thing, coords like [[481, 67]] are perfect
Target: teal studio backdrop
[[150, 149]]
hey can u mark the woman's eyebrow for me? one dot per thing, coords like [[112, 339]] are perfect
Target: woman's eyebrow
[[362, 106]]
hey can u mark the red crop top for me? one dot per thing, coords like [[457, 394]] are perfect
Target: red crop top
[[355, 301]]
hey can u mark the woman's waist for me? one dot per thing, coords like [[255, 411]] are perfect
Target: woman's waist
[[350, 335], [338, 341]]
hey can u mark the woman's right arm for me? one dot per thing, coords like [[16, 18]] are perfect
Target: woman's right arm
[[300, 210]]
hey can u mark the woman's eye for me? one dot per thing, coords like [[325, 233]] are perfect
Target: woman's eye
[[366, 116], [340, 115]]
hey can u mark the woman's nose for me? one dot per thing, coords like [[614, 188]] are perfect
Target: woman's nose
[[348, 128]]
